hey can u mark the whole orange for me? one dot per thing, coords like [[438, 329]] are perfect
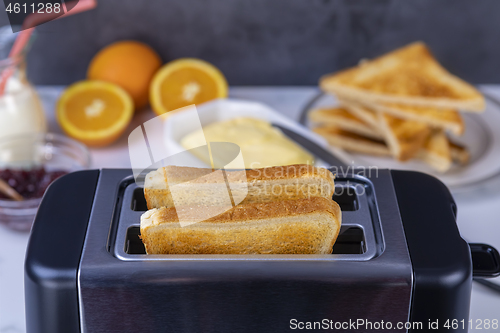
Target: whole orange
[[128, 64]]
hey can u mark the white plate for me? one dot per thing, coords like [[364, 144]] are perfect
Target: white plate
[[481, 137], [182, 123]]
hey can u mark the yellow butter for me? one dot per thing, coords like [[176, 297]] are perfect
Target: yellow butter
[[261, 144]]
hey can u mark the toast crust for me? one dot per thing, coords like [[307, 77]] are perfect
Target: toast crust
[[352, 142], [436, 151], [448, 119], [255, 211], [404, 137], [367, 115], [205, 175], [343, 119]]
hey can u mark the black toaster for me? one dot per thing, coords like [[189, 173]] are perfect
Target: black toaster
[[399, 265]]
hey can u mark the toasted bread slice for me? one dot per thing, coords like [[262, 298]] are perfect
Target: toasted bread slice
[[199, 186], [304, 226], [436, 151], [368, 115], [404, 137], [447, 119], [352, 142], [409, 75], [343, 119], [459, 154]]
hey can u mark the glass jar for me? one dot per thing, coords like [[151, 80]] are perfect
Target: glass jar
[[21, 111]]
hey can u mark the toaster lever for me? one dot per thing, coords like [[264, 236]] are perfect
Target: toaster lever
[[485, 260]]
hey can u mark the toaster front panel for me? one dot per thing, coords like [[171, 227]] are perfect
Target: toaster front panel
[[121, 289]]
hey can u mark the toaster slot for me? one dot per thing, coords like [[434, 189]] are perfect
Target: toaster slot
[[359, 239], [351, 240], [138, 200], [133, 243], [346, 197]]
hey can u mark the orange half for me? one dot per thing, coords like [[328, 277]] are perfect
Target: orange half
[[184, 82], [94, 112]]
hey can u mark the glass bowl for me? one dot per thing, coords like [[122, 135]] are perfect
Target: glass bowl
[[29, 153]]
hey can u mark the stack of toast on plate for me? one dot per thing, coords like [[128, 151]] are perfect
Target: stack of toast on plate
[[402, 104]]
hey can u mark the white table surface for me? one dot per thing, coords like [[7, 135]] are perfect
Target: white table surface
[[478, 211]]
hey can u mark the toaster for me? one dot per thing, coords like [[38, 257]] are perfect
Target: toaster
[[399, 264]]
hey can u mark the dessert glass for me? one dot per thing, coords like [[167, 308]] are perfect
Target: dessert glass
[[29, 153]]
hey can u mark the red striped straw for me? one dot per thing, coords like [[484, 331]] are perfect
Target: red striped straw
[[32, 20]]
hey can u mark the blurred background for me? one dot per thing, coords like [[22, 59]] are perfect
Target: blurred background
[[279, 42]]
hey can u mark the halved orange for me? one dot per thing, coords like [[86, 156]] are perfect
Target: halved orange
[[94, 112], [184, 82]]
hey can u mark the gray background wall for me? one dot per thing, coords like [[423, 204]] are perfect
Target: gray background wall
[[274, 42]]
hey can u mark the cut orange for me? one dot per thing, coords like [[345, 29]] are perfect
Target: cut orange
[[94, 112], [184, 82]]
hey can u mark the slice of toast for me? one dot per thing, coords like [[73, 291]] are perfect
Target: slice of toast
[[403, 137], [447, 119], [352, 142], [367, 115], [343, 119], [200, 186], [459, 154], [436, 151], [303, 226], [409, 75]]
